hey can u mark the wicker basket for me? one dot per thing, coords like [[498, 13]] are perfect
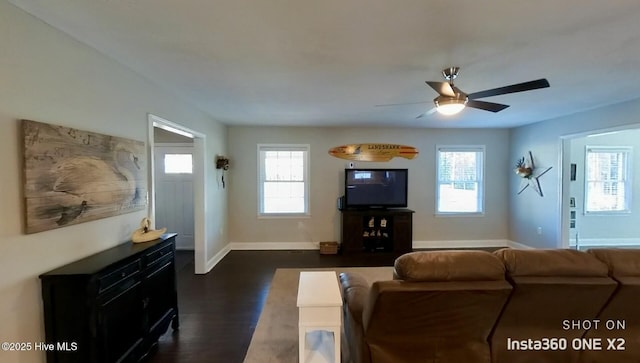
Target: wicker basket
[[329, 248]]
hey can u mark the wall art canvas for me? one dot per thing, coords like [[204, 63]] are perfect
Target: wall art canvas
[[74, 176]]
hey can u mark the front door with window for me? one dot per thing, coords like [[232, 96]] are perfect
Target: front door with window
[[174, 192]]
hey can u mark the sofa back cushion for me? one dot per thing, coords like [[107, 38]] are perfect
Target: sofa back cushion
[[449, 266], [620, 262], [551, 262]]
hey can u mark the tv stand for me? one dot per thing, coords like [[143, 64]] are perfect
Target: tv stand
[[376, 230]]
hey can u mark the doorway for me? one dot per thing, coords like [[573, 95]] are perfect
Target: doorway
[[198, 195], [601, 189], [174, 190]]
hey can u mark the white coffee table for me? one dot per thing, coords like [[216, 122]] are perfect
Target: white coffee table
[[320, 309]]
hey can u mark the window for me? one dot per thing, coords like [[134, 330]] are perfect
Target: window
[[178, 164], [607, 182], [460, 185], [283, 180]]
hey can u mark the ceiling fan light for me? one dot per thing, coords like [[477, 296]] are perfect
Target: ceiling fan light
[[449, 106], [450, 109]]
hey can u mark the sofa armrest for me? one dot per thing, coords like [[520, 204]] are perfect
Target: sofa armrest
[[355, 291]]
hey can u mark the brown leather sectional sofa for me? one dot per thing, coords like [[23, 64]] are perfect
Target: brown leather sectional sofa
[[511, 306]]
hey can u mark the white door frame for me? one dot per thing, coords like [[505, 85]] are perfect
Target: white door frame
[[565, 162], [199, 191]]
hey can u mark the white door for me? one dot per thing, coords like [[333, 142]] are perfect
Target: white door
[[174, 192]]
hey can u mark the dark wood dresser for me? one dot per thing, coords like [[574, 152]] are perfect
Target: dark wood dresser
[[112, 306]]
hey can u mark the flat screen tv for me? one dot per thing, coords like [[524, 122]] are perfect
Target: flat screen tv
[[375, 188]]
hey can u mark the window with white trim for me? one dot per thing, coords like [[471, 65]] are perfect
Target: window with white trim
[[608, 180], [283, 180], [460, 180]]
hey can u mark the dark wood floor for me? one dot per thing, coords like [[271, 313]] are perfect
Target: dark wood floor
[[219, 311]]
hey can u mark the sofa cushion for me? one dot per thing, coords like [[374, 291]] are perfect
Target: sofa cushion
[[448, 266], [621, 262], [551, 262]]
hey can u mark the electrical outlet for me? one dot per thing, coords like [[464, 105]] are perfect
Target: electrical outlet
[[539, 230]]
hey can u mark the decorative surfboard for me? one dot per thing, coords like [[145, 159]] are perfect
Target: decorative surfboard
[[373, 152]]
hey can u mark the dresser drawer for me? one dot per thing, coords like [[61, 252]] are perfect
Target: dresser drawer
[[157, 255], [116, 276], [158, 264]]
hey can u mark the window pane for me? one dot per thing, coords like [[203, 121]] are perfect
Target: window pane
[[283, 197], [178, 164], [284, 165], [606, 182], [459, 181], [460, 166], [453, 199]]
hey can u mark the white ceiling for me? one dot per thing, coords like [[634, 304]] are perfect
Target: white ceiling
[[330, 62]]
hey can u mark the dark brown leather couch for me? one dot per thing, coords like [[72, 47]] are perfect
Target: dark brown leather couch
[[462, 306], [550, 287], [440, 307], [623, 308]]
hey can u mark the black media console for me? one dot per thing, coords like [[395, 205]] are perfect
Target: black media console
[[376, 230]]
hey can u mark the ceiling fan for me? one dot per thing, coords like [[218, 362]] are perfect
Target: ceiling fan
[[452, 100]]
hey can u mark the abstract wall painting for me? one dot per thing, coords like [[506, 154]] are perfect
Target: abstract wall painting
[[74, 176]]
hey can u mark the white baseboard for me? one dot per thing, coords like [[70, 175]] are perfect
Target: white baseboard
[[519, 246], [613, 242], [461, 244], [217, 258], [256, 246]]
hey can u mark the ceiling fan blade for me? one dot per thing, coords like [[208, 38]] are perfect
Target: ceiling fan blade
[[487, 106], [430, 112], [519, 87], [402, 104], [442, 88]]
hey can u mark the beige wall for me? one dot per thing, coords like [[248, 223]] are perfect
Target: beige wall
[[327, 173], [46, 76]]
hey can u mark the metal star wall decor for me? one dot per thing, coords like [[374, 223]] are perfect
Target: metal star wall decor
[[529, 174]]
